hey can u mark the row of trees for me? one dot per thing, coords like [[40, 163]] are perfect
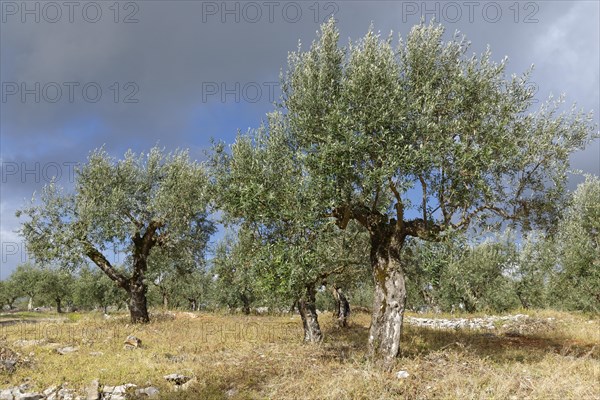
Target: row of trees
[[559, 269], [374, 143]]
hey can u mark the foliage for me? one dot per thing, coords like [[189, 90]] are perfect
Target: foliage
[[56, 287], [94, 289], [576, 281], [131, 206]]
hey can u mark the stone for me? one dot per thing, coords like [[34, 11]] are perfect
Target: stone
[[150, 391], [92, 392], [132, 342], [122, 389], [177, 379], [50, 390], [29, 396], [402, 375], [108, 389], [8, 365], [66, 394], [67, 350], [27, 343], [6, 394]]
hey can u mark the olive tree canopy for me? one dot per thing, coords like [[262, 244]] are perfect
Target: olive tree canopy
[[417, 139], [133, 205]]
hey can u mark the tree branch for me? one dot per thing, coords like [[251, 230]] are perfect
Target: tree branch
[[101, 261], [424, 201], [399, 204]]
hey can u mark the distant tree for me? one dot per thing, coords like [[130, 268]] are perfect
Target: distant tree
[[479, 278], [26, 281], [134, 205], [56, 286], [576, 281], [534, 267], [370, 124], [235, 277], [94, 289], [8, 293]]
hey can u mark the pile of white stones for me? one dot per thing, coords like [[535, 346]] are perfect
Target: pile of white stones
[[92, 392], [485, 323]]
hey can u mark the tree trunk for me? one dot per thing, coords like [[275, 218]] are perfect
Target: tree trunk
[[308, 313], [389, 296], [30, 304], [138, 309], [342, 307], [58, 306], [165, 300], [245, 304]]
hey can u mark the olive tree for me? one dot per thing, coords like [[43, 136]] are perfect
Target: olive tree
[[93, 288], [8, 293], [576, 279], [234, 273], [56, 286], [134, 206], [26, 282], [262, 186], [374, 123]]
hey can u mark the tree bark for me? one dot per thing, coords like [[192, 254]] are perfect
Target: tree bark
[[30, 304], [308, 313], [245, 304], [138, 308], [58, 306], [342, 307], [389, 296], [165, 300]]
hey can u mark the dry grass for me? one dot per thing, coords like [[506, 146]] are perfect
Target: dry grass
[[261, 357]]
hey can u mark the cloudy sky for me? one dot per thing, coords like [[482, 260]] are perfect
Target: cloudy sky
[[132, 74]]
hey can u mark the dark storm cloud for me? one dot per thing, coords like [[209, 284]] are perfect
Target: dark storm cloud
[[177, 73]]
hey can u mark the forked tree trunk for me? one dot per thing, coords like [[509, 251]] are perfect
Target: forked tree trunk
[[342, 307], [389, 296], [138, 308], [245, 304], [308, 313]]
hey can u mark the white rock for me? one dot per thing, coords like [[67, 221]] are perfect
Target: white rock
[[29, 396], [149, 391], [92, 390], [6, 394], [177, 379], [67, 350], [402, 374]]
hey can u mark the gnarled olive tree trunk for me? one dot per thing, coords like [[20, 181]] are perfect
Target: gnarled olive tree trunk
[[342, 307], [308, 313], [389, 296], [138, 307]]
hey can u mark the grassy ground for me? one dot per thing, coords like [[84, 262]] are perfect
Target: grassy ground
[[549, 356]]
